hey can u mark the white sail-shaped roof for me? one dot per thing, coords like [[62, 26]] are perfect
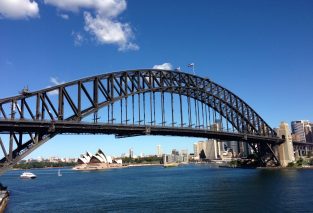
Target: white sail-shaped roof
[[104, 159], [99, 157], [100, 151], [83, 159], [96, 159], [109, 159], [88, 154], [119, 161]]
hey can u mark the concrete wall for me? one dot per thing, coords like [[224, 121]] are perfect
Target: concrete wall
[[285, 150]]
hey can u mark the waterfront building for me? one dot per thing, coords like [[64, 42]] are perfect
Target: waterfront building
[[218, 126], [54, 159], [131, 153], [195, 151], [212, 151], [302, 131], [210, 148], [159, 151], [175, 152], [176, 157], [235, 147], [184, 155], [118, 161], [40, 159], [99, 157], [84, 158], [202, 147]]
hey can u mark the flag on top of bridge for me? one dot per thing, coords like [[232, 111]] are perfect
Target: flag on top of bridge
[[193, 67]]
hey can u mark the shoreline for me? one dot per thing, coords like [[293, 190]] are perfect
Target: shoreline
[[18, 169], [143, 164], [290, 168], [100, 167], [4, 199]]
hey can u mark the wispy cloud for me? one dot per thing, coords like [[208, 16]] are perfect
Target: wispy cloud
[[165, 66], [55, 82], [18, 9], [78, 38], [64, 16]]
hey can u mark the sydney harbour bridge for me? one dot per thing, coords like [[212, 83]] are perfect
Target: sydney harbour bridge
[[132, 103]]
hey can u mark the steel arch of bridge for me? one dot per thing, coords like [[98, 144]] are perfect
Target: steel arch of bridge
[[61, 109]]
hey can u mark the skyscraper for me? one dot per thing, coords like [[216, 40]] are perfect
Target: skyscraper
[[159, 151], [131, 153], [195, 150], [211, 149], [302, 131]]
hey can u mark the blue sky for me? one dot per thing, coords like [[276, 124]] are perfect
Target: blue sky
[[260, 50]]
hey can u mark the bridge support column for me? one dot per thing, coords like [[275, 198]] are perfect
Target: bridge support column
[[285, 150]]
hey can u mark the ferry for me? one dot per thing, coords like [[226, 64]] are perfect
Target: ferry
[[166, 165], [59, 173], [28, 175]]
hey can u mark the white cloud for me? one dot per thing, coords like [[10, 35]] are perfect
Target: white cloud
[[108, 31], [18, 9], [108, 8], [101, 21], [78, 38], [53, 92], [64, 16], [165, 66], [55, 82]]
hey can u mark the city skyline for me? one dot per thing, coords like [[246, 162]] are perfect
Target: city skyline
[[260, 51]]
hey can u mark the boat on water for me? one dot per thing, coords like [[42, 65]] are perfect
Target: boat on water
[[28, 175], [166, 165], [59, 173]]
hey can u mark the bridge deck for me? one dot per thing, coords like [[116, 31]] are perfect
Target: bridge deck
[[123, 130]]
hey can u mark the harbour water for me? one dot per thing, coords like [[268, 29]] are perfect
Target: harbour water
[[191, 188]]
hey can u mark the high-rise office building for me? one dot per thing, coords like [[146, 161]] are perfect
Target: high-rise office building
[[311, 133], [131, 153], [184, 155], [210, 148], [302, 131], [218, 126], [175, 152], [159, 151], [195, 150]]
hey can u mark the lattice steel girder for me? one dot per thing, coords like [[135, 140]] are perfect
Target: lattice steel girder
[[39, 106], [247, 118]]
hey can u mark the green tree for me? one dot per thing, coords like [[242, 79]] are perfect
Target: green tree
[[202, 155]]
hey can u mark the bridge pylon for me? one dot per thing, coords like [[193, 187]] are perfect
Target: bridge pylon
[[285, 150]]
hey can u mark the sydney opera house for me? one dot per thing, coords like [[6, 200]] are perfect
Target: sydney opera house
[[99, 160]]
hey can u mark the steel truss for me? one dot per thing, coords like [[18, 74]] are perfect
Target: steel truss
[[136, 102]]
